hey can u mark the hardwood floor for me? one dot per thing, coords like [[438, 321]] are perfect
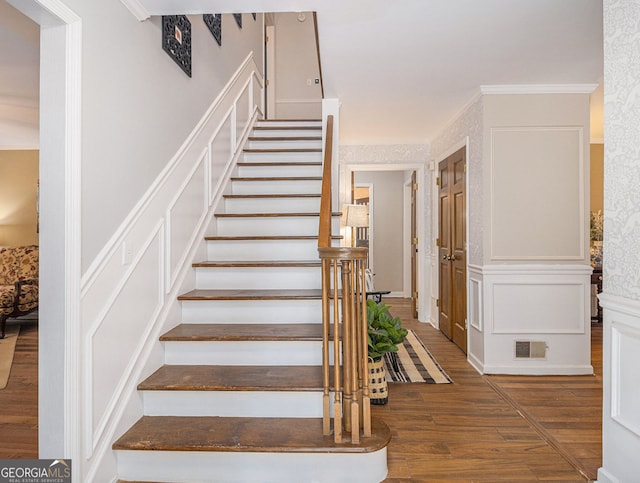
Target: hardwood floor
[[19, 400], [474, 430], [478, 429]]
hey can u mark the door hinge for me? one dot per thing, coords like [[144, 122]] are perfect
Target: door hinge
[[415, 240], [266, 82], [438, 303], [415, 295], [266, 38], [438, 181], [415, 186], [464, 168], [437, 242]]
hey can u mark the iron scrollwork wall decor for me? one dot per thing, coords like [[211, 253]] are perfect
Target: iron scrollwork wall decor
[[176, 40], [214, 22], [254, 16], [238, 17]]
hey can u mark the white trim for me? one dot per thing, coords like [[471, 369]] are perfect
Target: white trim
[[550, 269], [538, 89], [537, 369], [619, 304], [138, 10], [56, 15]]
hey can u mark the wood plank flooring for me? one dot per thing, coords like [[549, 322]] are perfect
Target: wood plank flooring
[[19, 400], [468, 431]]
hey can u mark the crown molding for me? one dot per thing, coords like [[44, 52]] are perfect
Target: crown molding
[[538, 89], [138, 10]]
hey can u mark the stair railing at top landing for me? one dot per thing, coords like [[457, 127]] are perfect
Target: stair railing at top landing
[[344, 325]]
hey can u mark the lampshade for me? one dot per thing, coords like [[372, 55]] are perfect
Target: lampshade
[[356, 215]]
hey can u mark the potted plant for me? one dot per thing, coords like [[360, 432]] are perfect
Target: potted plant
[[384, 333]]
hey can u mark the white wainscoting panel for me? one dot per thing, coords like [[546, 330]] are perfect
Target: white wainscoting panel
[[625, 362], [118, 334], [221, 155], [185, 214], [621, 389], [546, 303], [538, 308]]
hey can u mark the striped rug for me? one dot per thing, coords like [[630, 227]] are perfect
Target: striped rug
[[413, 363]]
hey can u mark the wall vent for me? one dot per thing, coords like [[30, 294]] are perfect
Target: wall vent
[[528, 349]]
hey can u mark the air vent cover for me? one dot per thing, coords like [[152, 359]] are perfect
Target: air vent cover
[[527, 349]]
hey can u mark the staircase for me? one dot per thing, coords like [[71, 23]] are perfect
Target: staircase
[[239, 398]]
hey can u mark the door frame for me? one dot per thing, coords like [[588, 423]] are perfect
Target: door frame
[[59, 345], [435, 295], [344, 195]]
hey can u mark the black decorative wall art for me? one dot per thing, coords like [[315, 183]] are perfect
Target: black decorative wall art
[[254, 16], [176, 40], [214, 22], [238, 17]]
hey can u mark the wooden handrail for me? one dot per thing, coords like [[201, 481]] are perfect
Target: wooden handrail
[[324, 229], [315, 27], [344, 313]]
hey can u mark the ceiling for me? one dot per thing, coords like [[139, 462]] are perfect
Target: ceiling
[[402, 69]]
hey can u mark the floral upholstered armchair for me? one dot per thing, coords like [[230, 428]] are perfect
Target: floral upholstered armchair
[[18, 282]]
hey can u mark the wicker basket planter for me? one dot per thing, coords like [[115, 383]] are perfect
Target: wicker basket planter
[[378, 391]]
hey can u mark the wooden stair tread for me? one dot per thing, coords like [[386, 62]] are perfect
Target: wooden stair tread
[[277, 178], [267, 237], [285, 138], [275, 127], [269, 215], [253, 294], [280, 163], [244, 332], [275, 195], [282, 150], [234, 378], [259, 263], [282, 435]]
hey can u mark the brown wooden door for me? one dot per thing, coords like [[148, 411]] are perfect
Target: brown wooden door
[[452, 257], [414, 248]]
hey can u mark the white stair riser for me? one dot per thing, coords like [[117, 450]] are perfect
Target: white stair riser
[[289, 144], [256, 404], [243, 467], [282, 156], [244, 353], [259, 187], [289, 133], [252, 311], [285, 123], [272, 205], [246, 250], [276, 170], [268, 226], [258, 278]]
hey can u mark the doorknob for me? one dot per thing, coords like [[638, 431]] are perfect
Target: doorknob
[[452, 258]]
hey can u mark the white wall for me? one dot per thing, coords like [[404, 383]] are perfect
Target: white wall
[[138, 106], [296, 68], [18, 197], [621, 298]]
